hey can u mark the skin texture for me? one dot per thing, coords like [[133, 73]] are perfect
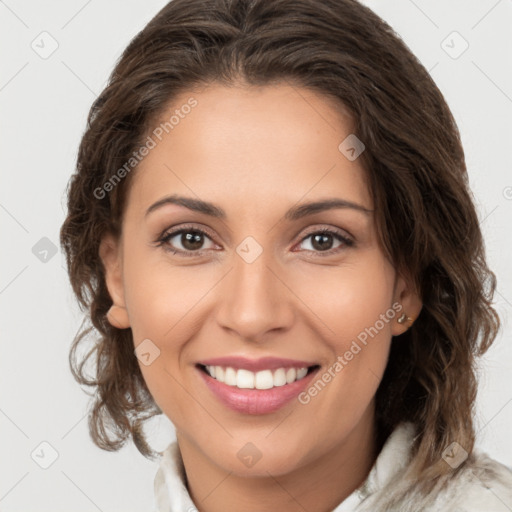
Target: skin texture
[[256, 152]]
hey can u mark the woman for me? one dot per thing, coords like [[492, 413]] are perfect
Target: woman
[[272, 231]]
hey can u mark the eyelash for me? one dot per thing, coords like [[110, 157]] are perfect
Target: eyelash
[[163, 240]]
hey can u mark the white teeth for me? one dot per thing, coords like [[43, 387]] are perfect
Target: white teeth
[[301, 372], [291, 375], [230, 377], [244, 379], [219, 373], [279, 377], [264, 379]]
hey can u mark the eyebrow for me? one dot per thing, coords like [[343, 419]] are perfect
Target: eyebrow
[[294, 213]]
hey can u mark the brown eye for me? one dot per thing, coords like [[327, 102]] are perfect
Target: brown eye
[[186, 241], [191, 241], [322, 241], [325, 240]]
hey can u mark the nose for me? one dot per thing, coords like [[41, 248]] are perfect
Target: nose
[[255, 299]]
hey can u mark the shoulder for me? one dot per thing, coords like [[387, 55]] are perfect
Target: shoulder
[[481, 484]]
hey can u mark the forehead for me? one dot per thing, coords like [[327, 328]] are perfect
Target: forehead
[[244, 145]]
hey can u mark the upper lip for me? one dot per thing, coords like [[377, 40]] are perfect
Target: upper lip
[[254, 365]]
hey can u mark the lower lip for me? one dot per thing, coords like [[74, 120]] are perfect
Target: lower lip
[[256, 401]]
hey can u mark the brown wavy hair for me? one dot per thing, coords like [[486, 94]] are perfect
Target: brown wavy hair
[[426, 219]]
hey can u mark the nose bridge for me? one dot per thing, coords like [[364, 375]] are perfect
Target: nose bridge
[[254, 299]]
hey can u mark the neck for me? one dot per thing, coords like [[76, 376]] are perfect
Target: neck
[[318, 486]]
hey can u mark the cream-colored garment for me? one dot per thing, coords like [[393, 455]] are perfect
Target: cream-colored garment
[[483, 486]]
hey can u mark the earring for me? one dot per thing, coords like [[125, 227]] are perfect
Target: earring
[[403, 318]]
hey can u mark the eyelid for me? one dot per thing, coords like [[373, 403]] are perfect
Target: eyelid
[[186, 227], [319, 228]]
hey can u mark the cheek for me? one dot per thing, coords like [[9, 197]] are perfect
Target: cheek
[[159, 296], [163, 302], [159, 300], [353, 307], [350, 299]]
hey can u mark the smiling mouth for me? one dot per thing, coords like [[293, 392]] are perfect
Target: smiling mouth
[[263, 379]]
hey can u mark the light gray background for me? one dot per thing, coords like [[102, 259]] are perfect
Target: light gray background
[[44, 103]]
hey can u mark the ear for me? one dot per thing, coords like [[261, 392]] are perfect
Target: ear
[[408, 297], [111, 256]]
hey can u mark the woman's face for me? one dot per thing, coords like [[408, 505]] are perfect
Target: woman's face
[[251, 283]]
